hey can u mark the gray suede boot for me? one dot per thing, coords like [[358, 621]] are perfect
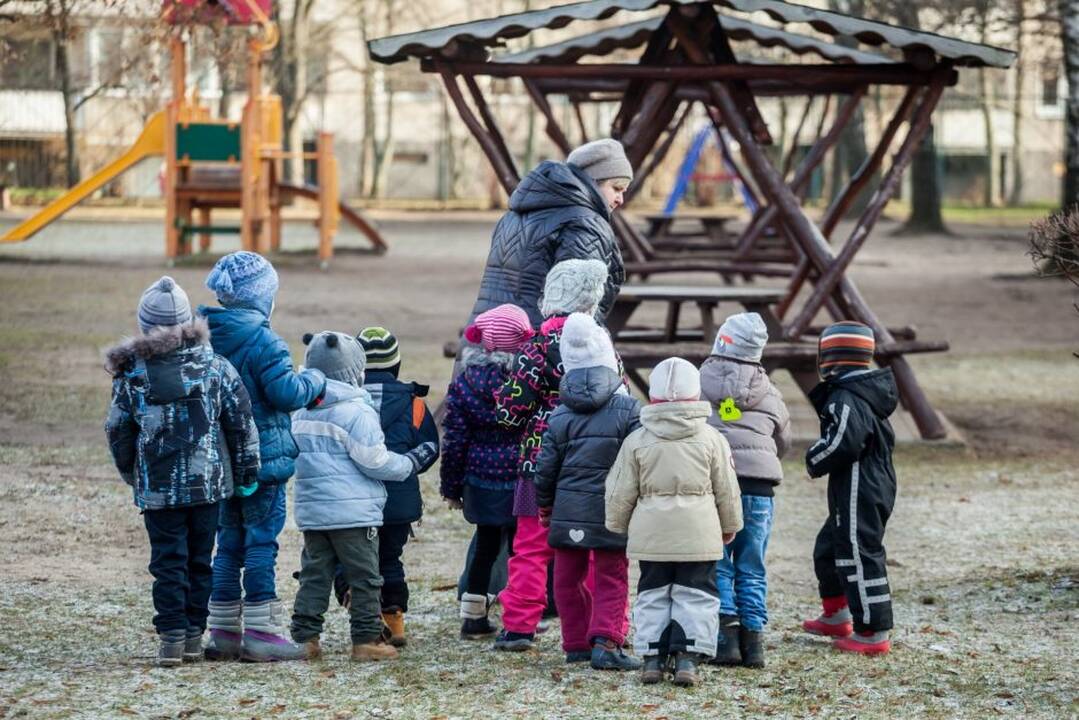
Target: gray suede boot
[[226, 631], [265, 639], [193, 645], [170, 652]]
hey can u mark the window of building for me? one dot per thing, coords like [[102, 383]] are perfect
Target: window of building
[[1051, 92], [28, 63]]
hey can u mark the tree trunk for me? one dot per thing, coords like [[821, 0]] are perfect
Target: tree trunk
[[991, 193], [1069, 31], [925, 215], [383, 149], [60, 35], [1015, 195]]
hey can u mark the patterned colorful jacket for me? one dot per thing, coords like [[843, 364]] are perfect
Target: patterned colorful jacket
[[180, 426], [526, 401], [476, 449]]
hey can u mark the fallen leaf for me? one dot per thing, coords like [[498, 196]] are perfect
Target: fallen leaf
[[247, 701], [278, 709], [649, 707]]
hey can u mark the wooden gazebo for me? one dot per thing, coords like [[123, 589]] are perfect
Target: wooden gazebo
[[686, 57]]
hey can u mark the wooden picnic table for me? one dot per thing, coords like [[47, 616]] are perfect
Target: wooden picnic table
[[753, 299], [711, 228]]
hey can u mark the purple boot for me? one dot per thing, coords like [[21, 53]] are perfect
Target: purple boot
[[226, 631], [264, 639]]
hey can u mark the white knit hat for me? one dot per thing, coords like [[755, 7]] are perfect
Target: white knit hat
[[742, 336], [585, 344], [574, 286], [674, 379], [602, 160]]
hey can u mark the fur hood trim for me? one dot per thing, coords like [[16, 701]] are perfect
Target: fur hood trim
[[473, 356], [159, 341]]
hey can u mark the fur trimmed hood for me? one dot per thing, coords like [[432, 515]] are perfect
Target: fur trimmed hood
[[474, 355], [159, 341]]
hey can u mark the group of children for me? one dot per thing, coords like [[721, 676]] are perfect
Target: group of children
[[543, 448]]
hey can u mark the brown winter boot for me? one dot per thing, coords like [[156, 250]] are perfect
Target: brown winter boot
[[313, 649], [395, 620], [374, 650]]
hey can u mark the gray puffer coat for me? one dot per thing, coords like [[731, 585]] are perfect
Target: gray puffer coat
[[579, 447], [762, 433], [556, 214]]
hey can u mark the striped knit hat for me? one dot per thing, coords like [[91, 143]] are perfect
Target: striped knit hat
[[381, 348], [845, 346], [503, 328]]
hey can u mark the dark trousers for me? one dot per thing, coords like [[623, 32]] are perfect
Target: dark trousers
[[677, 608], [488, 544], [849, 557], [391, 545], [356, 549], [181, 547]]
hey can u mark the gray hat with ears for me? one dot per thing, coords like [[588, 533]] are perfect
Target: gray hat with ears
[[338, 355]]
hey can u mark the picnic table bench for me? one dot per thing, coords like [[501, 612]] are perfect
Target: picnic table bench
[[703, 229], [706, 298]]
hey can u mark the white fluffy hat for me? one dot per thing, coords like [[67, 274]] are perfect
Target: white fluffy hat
[[585, 344]]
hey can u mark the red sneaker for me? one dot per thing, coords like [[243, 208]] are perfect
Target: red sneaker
[[871, 644], [827, 626]]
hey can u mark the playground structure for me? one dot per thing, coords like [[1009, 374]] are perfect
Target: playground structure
[[686, 58], [213, 163]]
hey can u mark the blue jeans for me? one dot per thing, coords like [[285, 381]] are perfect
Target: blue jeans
[[247, 540], [741, 576]]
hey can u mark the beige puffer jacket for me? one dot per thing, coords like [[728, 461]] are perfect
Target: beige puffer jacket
[[673, 486]]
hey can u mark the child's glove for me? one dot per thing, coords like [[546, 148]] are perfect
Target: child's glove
[[247, 490], [545, 517], [728, 538], [420, 456]]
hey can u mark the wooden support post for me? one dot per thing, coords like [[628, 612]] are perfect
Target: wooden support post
[[850, 193], [807, 234], [507, 174], [327, 196], [178, 76], [803, 173], [580, 122], [490, 122], [658, 154], [553, 129], [864, 174], [828, 280], [204, 237], [789, 161]]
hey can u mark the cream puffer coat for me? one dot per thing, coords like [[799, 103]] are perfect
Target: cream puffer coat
[[673, 486]]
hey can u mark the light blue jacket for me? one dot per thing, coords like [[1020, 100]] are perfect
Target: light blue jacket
[[343, 462]]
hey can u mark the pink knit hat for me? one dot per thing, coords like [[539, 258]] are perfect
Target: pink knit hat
[[502, 328]]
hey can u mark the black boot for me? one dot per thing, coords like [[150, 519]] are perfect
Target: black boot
[[654, 667], [685, 669], [727, 644], [751, 643]]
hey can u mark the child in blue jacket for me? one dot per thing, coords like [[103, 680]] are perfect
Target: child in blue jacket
[[342, 475], [245, 284]]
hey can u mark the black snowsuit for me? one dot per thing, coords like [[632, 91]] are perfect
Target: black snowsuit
[[855, 451]]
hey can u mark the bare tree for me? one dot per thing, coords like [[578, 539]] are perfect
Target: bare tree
[[1069, 35], [376, 151]]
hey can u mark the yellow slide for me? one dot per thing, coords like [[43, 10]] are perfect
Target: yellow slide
[[150, 142]]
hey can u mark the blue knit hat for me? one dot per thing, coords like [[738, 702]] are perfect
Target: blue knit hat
[[244, 279]]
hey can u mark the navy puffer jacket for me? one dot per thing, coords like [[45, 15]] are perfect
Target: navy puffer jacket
[[579, 448], [243, 337], [556, 213], [407, 424]]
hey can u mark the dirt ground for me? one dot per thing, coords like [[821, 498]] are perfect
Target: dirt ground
[[982, 545]]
